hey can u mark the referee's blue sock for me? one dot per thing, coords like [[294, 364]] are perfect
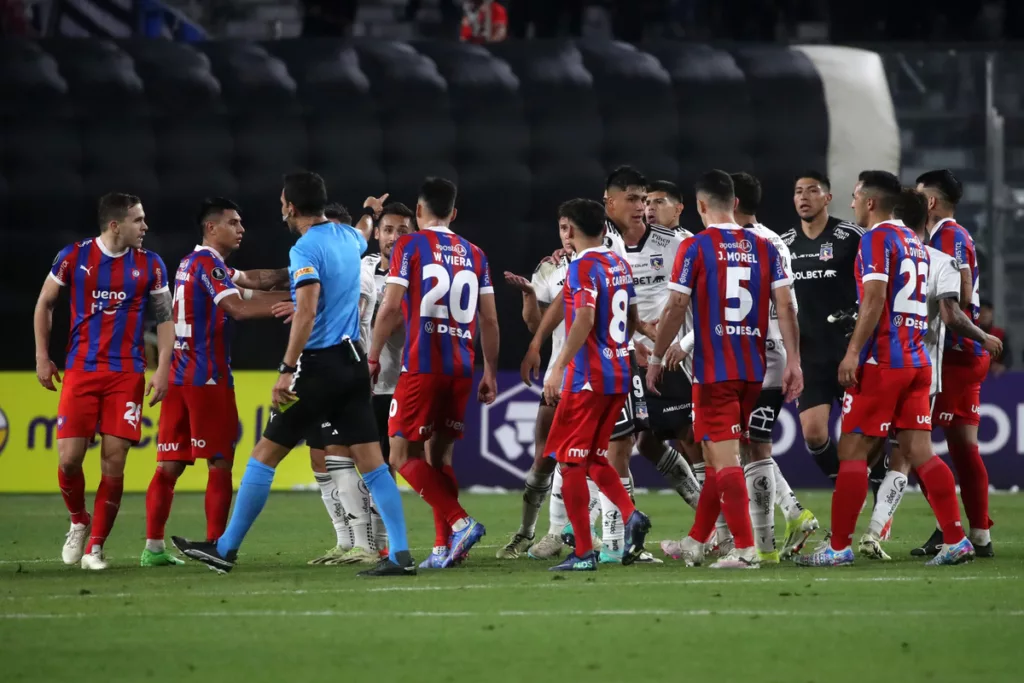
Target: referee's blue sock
[[389, 504], [252, 496]]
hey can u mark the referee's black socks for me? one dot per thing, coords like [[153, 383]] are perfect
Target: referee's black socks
[[827, 458]]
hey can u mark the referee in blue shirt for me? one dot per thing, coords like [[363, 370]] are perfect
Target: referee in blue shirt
[[323, 391]]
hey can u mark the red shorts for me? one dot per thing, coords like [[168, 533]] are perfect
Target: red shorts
[[583, 425], [888, 398], [960, 400], [197, 422], [721, 410], [107, 402], [425, 404]]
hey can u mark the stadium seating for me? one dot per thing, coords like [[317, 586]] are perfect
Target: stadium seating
[[520, 126]]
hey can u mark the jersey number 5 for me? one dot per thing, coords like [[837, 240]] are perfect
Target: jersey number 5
[[455, 288], [735, 277], [181, 328]]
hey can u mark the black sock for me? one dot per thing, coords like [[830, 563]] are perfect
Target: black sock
[[827, 459]]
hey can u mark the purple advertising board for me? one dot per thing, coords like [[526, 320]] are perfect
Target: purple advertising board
[[497, 449]]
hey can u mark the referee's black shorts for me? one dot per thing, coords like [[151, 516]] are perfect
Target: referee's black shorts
[[821, 385], [381, 414], [333, 405]]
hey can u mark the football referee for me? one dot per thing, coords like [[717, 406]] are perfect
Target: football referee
[[323, 389]]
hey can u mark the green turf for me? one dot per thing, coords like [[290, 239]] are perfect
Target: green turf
[[276, 619]]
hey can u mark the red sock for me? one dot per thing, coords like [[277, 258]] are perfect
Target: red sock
[[576, 496], [736, 505], [72, 487], [608, 480], [943, 498], [847, 500], [433, 487], [104, 511], [920, 482], [709, 506], [159, 497], [442, 529], [973, 483], [218, 502]]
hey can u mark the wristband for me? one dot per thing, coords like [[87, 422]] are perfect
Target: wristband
[[654, 360], [368, 211], [246, 293], [285, 369]]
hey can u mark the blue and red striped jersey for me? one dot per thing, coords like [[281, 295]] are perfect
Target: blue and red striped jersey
[[109, 293], [202, 330], [444, 276], [950, 237], [602, 280], [891, 253], [730, 273]]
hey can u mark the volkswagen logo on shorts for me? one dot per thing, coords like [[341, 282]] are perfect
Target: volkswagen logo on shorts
[[608, 353], [428, 327], [718, 330]]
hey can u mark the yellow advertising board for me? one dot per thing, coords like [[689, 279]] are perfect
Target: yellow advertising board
[[28, 439]]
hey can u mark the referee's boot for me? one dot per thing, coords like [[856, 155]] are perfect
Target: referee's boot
[[206, 552], [403, 565]]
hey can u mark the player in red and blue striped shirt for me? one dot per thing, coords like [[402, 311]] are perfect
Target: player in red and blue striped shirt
[[111, 280], [887, 374], [439, 282], [731, 275], [965, 363], [199, 419], [590, 380]]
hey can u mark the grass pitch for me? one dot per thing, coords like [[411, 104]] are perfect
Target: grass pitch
[[276, 619]]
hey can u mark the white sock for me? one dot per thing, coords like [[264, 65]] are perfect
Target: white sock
[[760, 478], [890, 493], [379, 538], [329, 495], [784, 496], [595, 502], [157, 545], [698, 473], [722, 533], [537, 486], [677, 473], [980, 536], [556, 506], [355, 497]]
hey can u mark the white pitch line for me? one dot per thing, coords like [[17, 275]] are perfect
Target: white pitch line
[[794, 577], [525, 613]]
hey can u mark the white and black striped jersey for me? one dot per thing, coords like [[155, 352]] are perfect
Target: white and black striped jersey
[[775, 352], [651, 261], [943, 283], [391, 354], [367, 293], [823, 280]]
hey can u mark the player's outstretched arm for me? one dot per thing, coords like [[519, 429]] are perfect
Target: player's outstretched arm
[[530, 367], [489, 343], [160, 305], [42, 324], [956, 320], [263, 279], [532, 312], [792, 376], [389, 317], [582, 325], [365, 224], [259, 305], [671, 320], [868, 315]]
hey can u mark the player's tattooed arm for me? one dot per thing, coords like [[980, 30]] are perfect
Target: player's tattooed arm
[[42, 323], [264, 279], [957, 321], [868, 315], [160, 305]]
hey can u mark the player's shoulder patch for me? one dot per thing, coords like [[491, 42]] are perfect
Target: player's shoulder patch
[[371, 260], [788, 237]]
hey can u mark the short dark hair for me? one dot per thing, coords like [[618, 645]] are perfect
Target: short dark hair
[[668, 187], [945, 182], [748, 190], [912, 209], [212, 206], [624, 177], [439, 196], [307, 192], [585, 214], [114, 206], [884, 184], [398, 209], [338, 212], [815, 175], [717, 185]]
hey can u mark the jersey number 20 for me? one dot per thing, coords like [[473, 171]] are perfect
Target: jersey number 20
[[456, 288]]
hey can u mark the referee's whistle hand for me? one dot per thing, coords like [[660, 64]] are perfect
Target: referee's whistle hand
[[281, 395]]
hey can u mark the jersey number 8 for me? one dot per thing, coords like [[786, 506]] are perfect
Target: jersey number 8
[[617, 328], [455, 288]]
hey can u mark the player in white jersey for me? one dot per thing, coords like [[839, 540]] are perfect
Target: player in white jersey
[[361, 536], [943, 311]]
